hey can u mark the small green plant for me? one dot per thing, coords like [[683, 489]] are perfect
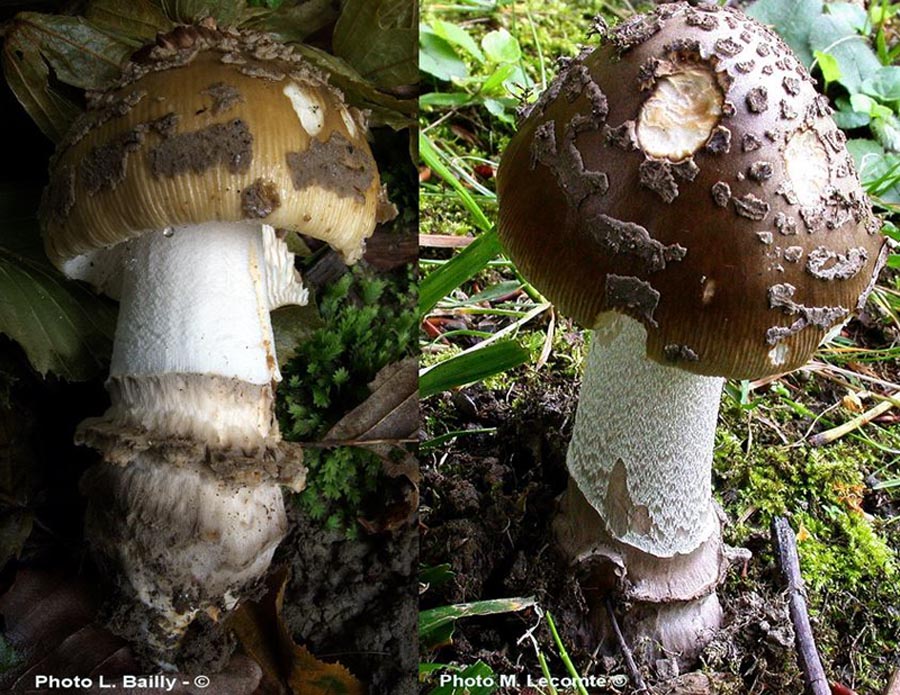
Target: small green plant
[[369, 322]]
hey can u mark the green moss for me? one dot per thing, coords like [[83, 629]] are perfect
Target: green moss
[[370, 322], [846, 556]]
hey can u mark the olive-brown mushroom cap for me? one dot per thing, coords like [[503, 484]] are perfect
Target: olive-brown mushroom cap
[[230, 128], [737, 259]]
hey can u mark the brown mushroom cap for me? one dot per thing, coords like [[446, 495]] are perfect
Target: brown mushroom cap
[[687, 174], [213, 125]]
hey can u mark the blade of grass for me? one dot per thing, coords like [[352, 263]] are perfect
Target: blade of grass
[[564, 655], [473, 366], [434, 159], [467, 263]]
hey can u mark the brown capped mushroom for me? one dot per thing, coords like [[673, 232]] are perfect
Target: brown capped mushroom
[[166, 196], [681, 190]]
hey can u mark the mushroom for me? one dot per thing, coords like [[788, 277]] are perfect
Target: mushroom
[[167, 195], [682, 191]]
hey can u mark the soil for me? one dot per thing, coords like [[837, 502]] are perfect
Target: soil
[[354, 600], [488, 502]]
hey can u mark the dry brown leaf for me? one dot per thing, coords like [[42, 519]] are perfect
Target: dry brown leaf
[[50, 622], [390, 414], [287, 666]]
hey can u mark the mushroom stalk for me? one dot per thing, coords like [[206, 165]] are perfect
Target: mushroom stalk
[[641, 449], [194, 352], [638, 517], [184, 509]]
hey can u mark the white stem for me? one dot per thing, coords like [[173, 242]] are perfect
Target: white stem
[[194, 353], [641, 451]]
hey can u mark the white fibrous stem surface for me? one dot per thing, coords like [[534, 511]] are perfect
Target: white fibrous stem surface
[[194, 353], [641, 450], [193, 364], [183, 540]]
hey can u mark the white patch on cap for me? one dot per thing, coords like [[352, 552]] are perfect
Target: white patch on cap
[[681, 113], [349, 122], [778, 354], [806, 162], [310, 110]]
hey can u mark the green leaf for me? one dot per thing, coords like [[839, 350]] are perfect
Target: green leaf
[[887, 132], [878, 170], [498, 77], [446, 99], [792, 19], [433, 621], [457, 36], [828, 64], [862, 103], [437, 57], [225, 12], [383, 109], [884, 85], [41, 48], [501, 47], [378, 38], [436, 575], [137, 20], [850, 13], [63, 327], [296, 21], [291, 326], [855, 58], [848, 118], [435, 159], [464, 265], [469, 367]]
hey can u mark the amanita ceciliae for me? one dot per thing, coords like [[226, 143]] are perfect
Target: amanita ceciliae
[[167, 195], [682, 190]]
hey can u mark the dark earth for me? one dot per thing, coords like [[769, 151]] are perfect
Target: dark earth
[[487, 505]]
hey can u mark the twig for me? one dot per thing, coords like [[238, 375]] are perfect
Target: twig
[[445, 241], [865, 418], [807, 655], [633, 672]]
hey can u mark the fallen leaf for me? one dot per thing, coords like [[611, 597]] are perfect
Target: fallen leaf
[[286, 665], [51, 628], [390, 415]]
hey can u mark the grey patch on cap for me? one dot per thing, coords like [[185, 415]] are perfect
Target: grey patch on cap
[[781, 296], [224, 96], [760, 171], [632, 296], [221, 144], [765, 237], [758, 100], [792, 254], [620, 237], [656, 175], [335, 165], [574, 179], [840, 266], [622, 136], [791, 85], [680, 353], [750, 142], [751, 207], [719, 140], [721, 193], [728, 47]]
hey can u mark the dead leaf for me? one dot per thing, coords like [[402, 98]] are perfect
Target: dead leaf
[[389, 250], [287, 666], [389, 415], [51, 627]]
